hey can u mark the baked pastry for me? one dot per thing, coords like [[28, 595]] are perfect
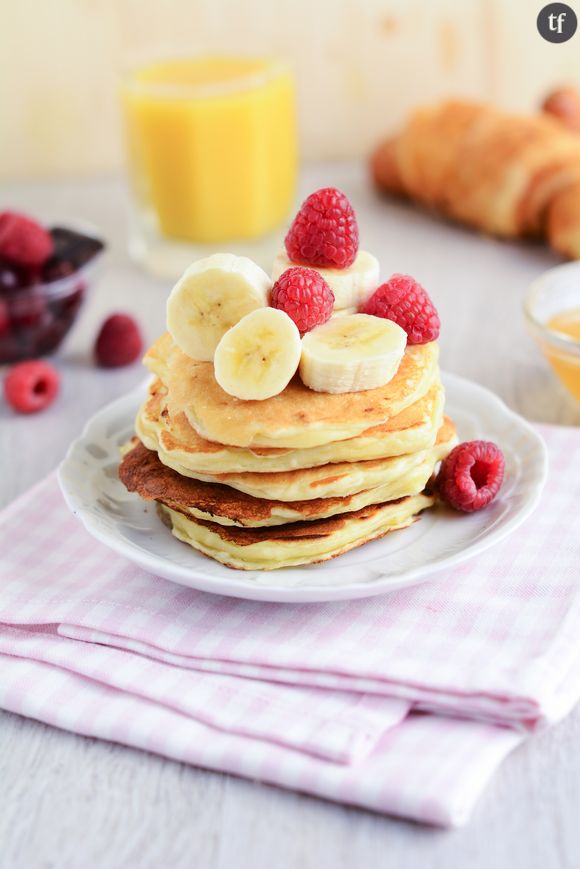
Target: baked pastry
[[501, 173], [564, 105]]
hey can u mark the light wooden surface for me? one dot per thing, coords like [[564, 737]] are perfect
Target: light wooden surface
[[360, 65], [66, 801]]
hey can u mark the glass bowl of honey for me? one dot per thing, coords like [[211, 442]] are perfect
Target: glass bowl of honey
[[552, 309]]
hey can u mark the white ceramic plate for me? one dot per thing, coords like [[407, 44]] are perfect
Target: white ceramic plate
[[440, 539]]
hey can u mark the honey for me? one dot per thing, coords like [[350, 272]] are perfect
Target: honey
[[565, 362]]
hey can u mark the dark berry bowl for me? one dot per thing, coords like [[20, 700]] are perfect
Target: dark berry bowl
[[38, 308]]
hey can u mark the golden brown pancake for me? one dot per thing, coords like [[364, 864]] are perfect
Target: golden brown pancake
[[298, 417], [331, 481], [296, 543], [184, 450], [142, 472]]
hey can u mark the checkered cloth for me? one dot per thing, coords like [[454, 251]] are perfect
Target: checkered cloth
[[404, 703]]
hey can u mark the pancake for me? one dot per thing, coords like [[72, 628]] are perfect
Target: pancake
[[336, 480], [180, 447], [142, 472], [298, 417], [299, 542]]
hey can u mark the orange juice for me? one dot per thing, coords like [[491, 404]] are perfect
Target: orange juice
[[566, 362], [212, 146]]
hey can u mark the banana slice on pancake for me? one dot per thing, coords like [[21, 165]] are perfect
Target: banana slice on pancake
[[352, 354], [351, 286], [213, 295], [257, 358]]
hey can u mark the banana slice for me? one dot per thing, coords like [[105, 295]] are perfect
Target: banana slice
[[352, 353], [259, 356], [211, 296], [351, 286], [343, 312]]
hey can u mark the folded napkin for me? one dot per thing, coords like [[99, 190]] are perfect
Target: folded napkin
[[404, 703]]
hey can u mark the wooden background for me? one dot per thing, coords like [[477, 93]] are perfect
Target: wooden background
[[360, 65]]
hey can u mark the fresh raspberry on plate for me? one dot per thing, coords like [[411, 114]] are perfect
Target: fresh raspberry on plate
[[471, 475], [119, 341], [305, 296], [31, 386], [324, 232], [23, 241], [404, 301]]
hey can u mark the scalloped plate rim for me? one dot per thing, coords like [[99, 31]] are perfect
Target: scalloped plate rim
[[237, 583]]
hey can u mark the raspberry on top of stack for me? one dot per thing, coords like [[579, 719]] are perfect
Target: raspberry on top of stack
[[296, 417]]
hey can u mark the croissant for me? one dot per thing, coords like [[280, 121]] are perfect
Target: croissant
[[564, 105], [508, 175]]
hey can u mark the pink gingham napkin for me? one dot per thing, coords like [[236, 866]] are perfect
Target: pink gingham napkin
[[322, 698]]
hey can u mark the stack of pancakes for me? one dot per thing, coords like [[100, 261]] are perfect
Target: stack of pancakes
[[295, 479]]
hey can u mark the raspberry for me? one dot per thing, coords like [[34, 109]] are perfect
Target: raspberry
[[23, 241], [119, 341], [31, 386], [56, 270], [66, 307], [471, 475], [305, 296], [9, 279], [4, 319], [48, 337], [15, 278], [28, 310], [324, 232], [404, 301]]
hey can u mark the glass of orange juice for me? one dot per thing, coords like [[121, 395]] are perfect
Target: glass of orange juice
[[212, 158], [552, 309]]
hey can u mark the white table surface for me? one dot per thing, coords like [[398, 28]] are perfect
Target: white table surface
[[67, 801]]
